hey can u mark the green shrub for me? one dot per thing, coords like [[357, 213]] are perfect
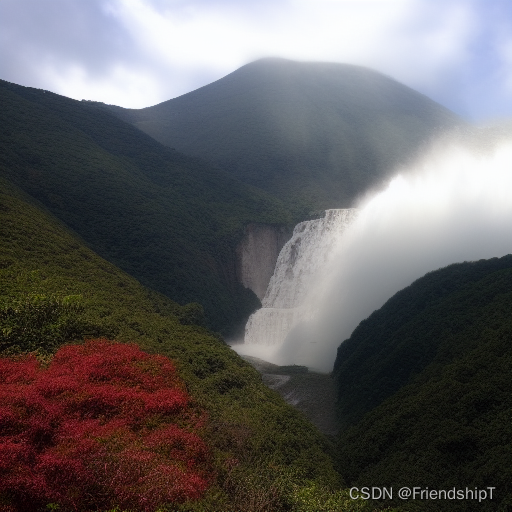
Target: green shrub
[[41, 322]]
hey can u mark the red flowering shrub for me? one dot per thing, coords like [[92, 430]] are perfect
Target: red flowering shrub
[[97, 429]]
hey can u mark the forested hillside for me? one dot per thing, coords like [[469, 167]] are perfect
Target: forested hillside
[[290, 138], [171, 221], [319, 133], [424, 389], [107, 233], [262, 453]]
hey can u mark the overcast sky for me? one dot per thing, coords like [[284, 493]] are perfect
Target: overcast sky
[[137, 53]]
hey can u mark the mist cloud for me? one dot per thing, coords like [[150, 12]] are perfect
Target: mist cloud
[[454, 206], [136, 53]]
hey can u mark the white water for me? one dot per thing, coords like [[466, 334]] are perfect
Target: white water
[[310, 249], [451, 207]]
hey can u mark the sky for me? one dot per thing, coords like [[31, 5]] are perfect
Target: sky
[[137, 53]]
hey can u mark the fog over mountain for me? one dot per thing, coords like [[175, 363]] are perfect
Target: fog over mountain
[[453, 205], [315, 132]]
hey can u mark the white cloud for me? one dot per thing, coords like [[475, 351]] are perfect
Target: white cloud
[[429, 43], [121, 86], [408, 39], [220, 36], [169, 47]]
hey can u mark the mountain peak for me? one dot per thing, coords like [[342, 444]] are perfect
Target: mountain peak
[[318, 132]]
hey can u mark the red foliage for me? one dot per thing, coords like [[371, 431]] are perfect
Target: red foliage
[[97, 429]]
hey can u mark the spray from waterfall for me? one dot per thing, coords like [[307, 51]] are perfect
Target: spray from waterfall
[[299, 263], [453, 206]]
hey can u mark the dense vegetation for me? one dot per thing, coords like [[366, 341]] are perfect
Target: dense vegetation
[[174, 221], [171, 221], [318, 133], [264, 454], [424, 387], [424, 393], [104, 425]]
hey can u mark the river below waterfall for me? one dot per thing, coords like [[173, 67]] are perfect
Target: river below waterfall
[[311, 393]]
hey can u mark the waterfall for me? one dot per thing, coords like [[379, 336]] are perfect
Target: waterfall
[[453, 206], [310, 248]]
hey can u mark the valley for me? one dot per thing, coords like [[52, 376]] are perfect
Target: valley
[[355, 232], [313, 394]]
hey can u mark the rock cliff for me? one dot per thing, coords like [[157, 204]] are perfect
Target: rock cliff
[[257, 255]]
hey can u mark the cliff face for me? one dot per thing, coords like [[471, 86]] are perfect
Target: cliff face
[[257, 255]]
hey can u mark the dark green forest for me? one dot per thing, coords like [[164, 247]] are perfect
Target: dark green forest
[[424, 389], [46, 273], [171, 221]]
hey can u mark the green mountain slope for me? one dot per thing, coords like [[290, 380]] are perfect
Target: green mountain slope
[[262, 449], [315, 132], [169, 220], [424, 390]]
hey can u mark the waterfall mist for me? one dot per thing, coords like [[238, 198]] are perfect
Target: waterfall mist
[[453, 206]]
